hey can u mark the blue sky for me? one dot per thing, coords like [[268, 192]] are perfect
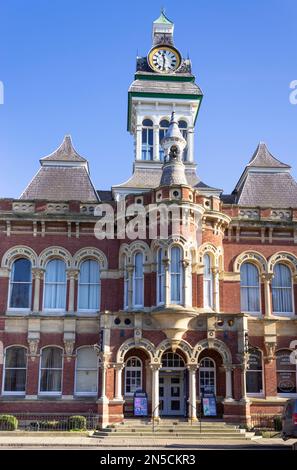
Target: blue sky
[[66, 66]]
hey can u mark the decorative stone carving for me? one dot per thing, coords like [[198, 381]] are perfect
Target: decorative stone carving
[[33, 348], [270, 347], [69, 346], [23, 207], [88, 209], [60, 208], [280, 214], [249, 213]]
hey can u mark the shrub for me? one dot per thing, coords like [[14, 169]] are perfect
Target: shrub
[[277, 421], [8, 423], [77, 423]]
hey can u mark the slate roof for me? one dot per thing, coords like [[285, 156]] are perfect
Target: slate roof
[[171, 87], [63, 176], [265, 182]]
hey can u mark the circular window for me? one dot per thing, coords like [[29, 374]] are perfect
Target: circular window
[[127, 321], [117, 321], [175, 193], [138, 201]]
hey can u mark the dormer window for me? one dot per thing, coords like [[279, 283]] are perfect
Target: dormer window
[[147, 140]]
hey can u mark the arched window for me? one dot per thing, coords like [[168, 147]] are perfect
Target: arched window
[[55, 285], [282, 298], [175, 275], [20, 284], [147, 139], [133, 375], [183, 126], [207, 282], [138, 280], [164, 124], [15, 369], [171, 359], [286, 372], [86, 382], [207, 376], [254, 373], [160, 278], [50, 375], [89, 286], [126, 283], [249, 288]]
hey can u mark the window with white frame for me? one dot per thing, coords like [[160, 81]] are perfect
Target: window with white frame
[[126, 283], [147, 139], [207, 376], [55, 285], [207, 282], [183, 126], [175, 275], [164, 124], [133, 375], [249, 288], [15, 370], [282, 294], [51, 366], [254, 373], [286, 372], [138, 280], [160, 278], [171, 359], [20, 288], [86, 382], [89, 286]]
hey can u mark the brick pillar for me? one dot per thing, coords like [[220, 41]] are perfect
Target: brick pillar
[[32, 376], [237, 383], [270, 380], [68, 377]]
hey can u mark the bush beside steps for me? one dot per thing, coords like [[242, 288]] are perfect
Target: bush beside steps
[[8, 423]]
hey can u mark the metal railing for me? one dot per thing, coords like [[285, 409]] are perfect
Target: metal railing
[[48, 422], [196, 415], [267, 422]]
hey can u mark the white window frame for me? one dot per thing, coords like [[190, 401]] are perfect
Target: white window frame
[[15, 309], [85, 394], [250, 312], [12, 393], [89, 310], [175, 355], [208, 369], [257, 394], [284, 314], [161, 128], [160, 276], [54, 310], [184, 131], [133, 369], [180, 273], [47, 393], [286, 395], [140, 278], [148, 146]]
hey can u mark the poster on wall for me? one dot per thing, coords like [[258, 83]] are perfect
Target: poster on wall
[[140, 404], [209, 406]]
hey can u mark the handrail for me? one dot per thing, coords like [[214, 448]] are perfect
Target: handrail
[[153, 416], [197, 415]]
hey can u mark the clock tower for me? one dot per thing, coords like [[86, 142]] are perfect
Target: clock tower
[[163, 83]]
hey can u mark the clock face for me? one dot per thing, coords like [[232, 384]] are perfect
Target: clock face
[[164, 59]]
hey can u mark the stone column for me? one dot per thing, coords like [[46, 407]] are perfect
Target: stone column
[[138, 141], [130, 270], [228, 369], [167, 281], [72, 275], [118, 381], [37, 276], [216, 296], [155, 392], [156, 143], [267, 293], [190, 145], [192, 412]]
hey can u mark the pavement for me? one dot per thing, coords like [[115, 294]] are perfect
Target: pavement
[[88, 442]]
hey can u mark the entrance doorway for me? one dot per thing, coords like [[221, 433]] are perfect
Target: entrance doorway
[[171, 394], [172, 385]]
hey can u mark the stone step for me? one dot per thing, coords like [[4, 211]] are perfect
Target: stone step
[[230, 436], [172, 430]]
